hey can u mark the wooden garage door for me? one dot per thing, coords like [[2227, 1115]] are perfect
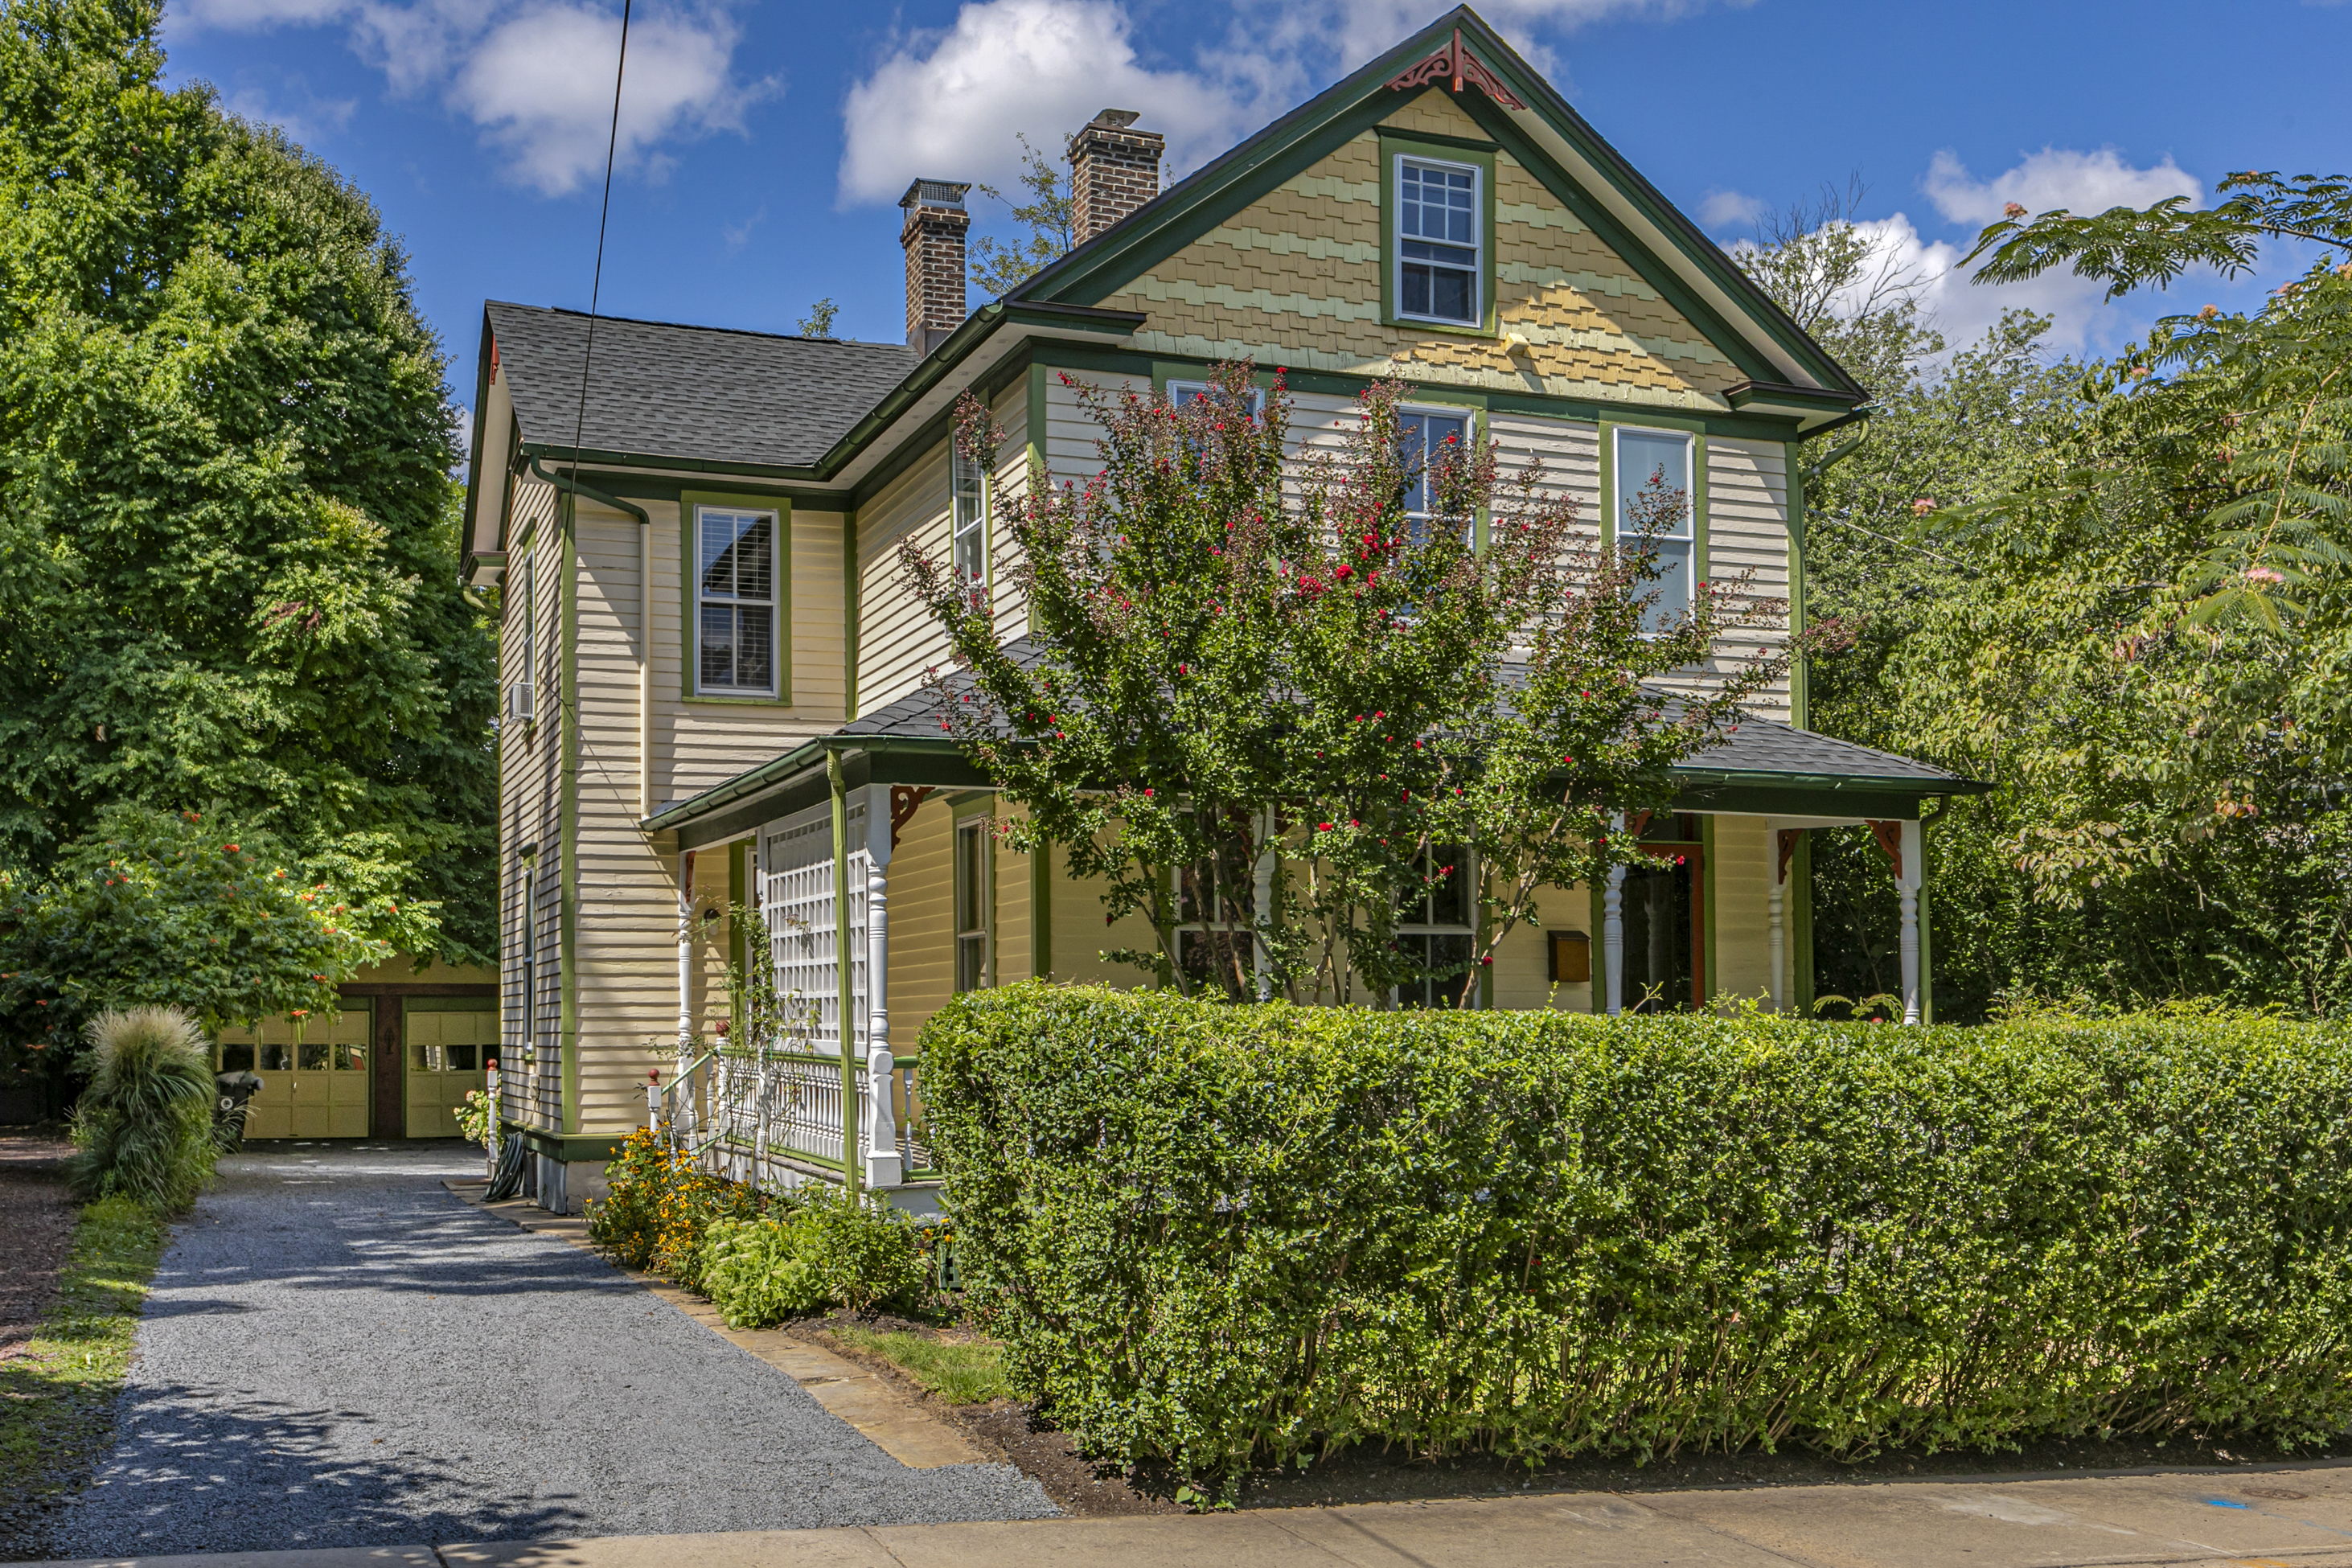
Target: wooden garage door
[[449, 1042], [314, 1075]]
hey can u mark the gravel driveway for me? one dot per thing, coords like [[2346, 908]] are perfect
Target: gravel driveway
[[338, 1352]]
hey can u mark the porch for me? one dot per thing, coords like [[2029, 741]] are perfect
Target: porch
[[888, 816]]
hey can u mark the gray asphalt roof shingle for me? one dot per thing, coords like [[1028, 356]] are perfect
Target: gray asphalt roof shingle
[[1756, 746], [703, 393]]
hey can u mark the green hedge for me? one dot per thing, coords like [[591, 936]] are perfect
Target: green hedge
[[1208, 1232]]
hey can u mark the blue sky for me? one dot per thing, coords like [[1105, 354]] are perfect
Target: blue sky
[[764, 146]]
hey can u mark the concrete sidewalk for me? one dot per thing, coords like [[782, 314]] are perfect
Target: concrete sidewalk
[[2269, 1516]]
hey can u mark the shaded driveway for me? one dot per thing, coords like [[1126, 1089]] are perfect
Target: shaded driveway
[[338, 1352]]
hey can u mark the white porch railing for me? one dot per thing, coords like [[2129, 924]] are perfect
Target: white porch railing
[[771, 1112]]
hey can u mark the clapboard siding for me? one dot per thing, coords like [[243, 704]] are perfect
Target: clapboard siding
[[1523, 959], [1743, 930], [1747, 537], [898, 639]]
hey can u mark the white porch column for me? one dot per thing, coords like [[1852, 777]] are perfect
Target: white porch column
[[1908, 871], [881, 1152], [1776, 882]]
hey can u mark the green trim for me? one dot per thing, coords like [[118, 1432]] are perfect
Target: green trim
[[1799, 668], [1706, 896], [572, 1148], [646, 486], [689, 505], [1041, 912], [1611, 503], [1927, 946], [1034, 436], [852, 594], [1453, 149], [568, 839], [1600, 952], [976, 804], [738, 892], [1799, 913]]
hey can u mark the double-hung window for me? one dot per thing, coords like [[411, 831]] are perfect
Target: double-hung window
[[971, 903], [1181, 393], [1439, 231], [735, 601], [969, 482], [1424, 439], [1656, 513], [1435, 928]]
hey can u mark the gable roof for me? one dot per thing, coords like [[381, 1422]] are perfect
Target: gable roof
[[704, 393], [1788, 369]]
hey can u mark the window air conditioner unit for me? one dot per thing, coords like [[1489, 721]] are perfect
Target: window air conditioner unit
[[519, 702]]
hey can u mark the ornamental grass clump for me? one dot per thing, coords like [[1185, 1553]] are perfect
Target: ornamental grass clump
[[1208, 1234], [142, 1129]]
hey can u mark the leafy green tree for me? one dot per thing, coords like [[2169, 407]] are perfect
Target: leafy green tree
[[1253, 670], [999, 267], [227, 535], [818, 322], [2118, 592], [181, 910]]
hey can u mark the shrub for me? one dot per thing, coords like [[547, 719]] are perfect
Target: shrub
[[762, 1271], [660, 1204], [142, 1129], [835, 1251], [1206, 1232]]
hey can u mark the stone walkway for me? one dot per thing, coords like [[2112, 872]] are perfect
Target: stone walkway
[[339, 1354]]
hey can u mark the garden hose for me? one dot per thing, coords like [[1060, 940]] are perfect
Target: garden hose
[[507, 1179]]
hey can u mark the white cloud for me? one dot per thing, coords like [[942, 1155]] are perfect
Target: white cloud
[[535, 78], [947, 105], [2055, 177], [1728, 209]]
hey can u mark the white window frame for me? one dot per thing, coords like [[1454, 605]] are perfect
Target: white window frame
[[1477, 248], [969, 488], [1688, 539], [1424, 928], [1469, 434], [973, 884], [775, 601], [1178, 391]]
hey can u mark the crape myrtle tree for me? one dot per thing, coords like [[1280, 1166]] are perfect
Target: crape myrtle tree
[[1282, 701]]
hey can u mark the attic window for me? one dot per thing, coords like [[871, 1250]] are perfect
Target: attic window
[[1438, 230]]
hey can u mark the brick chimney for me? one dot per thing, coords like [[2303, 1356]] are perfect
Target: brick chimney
[[933, 235], [1114, 169]]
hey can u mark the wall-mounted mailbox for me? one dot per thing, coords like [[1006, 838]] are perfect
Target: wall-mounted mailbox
[[1572, 957]]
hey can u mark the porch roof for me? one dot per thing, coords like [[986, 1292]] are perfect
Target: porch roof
[[1758, 766]]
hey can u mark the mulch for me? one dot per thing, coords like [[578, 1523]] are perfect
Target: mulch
[[1021, 1436], [37, 1228]]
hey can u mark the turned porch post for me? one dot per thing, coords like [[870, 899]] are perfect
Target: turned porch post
[[1613, 929], [1910, 865], [880, 1155]]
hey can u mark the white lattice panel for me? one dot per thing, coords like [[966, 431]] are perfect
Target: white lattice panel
[[796, 901]]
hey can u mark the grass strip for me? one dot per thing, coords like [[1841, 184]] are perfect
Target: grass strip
[[57, 1398], [959, 1371]]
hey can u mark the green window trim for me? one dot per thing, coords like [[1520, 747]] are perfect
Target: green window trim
[[1397, 144], [973, 814], [689, 505], [1610, 504]]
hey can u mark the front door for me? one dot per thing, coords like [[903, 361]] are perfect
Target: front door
[[314, 1075]]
